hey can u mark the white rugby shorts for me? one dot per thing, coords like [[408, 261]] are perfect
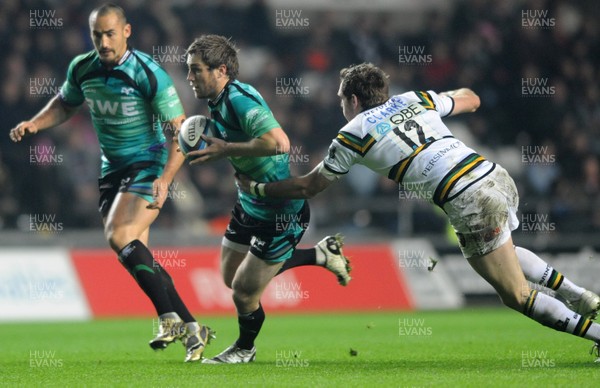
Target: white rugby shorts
[[484, 215]]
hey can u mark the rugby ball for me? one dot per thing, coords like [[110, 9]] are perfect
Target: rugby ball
[[190, 131]]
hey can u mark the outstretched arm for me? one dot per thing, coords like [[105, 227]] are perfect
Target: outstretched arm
[[465, 100], [303, 187], [160, 186], [54, 113]]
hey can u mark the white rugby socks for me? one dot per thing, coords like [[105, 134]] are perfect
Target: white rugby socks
[[538, 271], [553, 313]]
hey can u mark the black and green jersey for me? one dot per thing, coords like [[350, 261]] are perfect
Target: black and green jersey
[[240, 114], [127, 104]]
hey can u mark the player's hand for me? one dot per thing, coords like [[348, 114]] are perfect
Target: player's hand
[[242, 182], [22, 129], [160, 191], [215, 149]]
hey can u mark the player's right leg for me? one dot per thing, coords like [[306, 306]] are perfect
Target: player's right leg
[[126, 226], [235, 248], [232, 255], [537, 271], [501, 269]]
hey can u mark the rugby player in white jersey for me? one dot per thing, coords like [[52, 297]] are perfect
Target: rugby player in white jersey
[[405, 139]]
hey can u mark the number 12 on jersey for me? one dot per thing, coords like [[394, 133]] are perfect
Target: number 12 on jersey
[[410, 127]]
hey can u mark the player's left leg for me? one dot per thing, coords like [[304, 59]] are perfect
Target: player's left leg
[[327, 253], [270, 245], [483, 216], [195, 336]]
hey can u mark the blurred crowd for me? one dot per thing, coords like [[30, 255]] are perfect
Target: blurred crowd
[[534, 63]]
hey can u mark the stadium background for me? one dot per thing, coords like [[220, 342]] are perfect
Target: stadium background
[[534, 64]]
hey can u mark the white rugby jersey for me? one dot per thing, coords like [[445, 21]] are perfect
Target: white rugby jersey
[[406, 140]]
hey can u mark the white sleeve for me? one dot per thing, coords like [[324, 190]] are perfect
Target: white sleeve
[[443, 104], [338, 161]]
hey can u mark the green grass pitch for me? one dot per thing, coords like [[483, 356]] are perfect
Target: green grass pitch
[[491, 347]]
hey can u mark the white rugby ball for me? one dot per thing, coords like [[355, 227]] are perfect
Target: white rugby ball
[[190, 131]]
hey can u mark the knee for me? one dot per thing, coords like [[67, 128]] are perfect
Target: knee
[[228, 280], [241, 297], [511, 302], [514, 299], [117, 237]]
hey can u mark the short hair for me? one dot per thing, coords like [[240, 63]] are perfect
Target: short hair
[[107, 8], [369, 83], [216, 50]]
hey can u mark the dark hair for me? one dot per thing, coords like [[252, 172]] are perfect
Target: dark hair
[[108, 8], [369, 83], [216, 50]]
